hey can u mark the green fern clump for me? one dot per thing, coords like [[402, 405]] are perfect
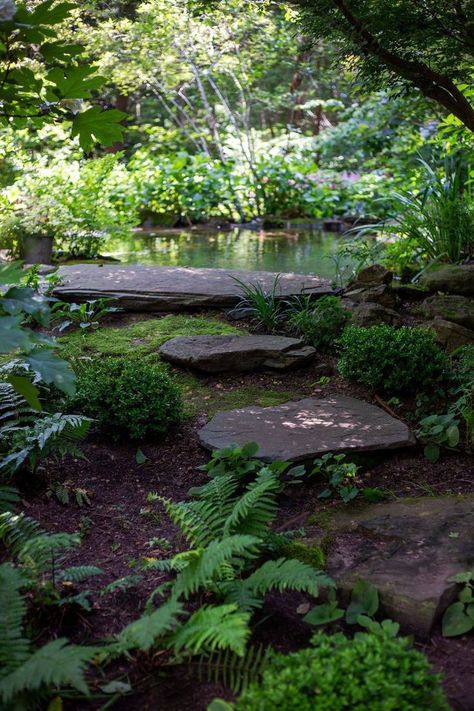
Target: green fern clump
[[29, 436], [227, 525], [28, 675], [39, 557]]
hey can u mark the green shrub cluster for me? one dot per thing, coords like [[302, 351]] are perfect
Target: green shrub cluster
[[389, 359], [321, 323], [128, 397], [369, 672]]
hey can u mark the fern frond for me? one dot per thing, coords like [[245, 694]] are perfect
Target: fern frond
[[31, 545], [183, 517], [256, 508], [282, 574], [78, 573], [143, 633], [8, 498], [233, 671], [206, 567], [56, 664], [212, 628], [14, 647]]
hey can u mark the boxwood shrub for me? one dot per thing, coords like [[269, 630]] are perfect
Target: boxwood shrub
[[127, 396], [339, 674], [390, 359]]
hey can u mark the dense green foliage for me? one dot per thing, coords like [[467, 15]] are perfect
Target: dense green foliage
[[336, 673], [391, 360], [320, 323], [127, 397]]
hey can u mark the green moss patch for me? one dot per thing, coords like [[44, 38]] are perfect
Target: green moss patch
[[140, 339], [143, 340]]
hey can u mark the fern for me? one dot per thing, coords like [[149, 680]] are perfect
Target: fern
[[14, 647], [256, 508], [40, 555], [144, 632], [78, 573], [56, 664], [22, 671], [8, 498], [212, 628], [35, 549], [49, 435], [281, 575], [234, 671], [206, 567]]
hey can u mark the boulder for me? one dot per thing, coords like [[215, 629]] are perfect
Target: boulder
[[457, 309], [408, 549], [217, 354], [372, 275], [379, 294], [369, 314], [451, 278], [451, 335], [302, 430]]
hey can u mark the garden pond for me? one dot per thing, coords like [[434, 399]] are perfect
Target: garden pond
[[303, 251]]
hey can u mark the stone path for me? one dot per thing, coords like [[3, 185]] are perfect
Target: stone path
[[142, 288], [302, 430], [408, 549], [218, 354]]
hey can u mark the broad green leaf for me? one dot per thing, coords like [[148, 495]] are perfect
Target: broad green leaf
[[220, 705], [323, 614], [26, 389], [52, 369], [10, 273], [74, 82], [432, 452], [140, 457], [455, 621], [96, 126], [364, 601]]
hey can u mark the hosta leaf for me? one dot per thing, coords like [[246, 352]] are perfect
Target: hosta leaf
[[455, 621]]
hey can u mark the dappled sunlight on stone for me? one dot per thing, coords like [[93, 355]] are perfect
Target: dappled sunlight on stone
[[307, 428]]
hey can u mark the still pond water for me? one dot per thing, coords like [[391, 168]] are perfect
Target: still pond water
[[306, 252]]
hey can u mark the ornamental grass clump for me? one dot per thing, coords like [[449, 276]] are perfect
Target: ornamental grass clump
[[392, 360], [340, 674], [128, 397]]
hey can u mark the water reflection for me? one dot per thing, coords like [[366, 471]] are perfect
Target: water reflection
[[307, 252]]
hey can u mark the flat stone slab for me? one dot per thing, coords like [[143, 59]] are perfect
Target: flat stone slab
[[408, 549], [217, 354], [302, 430], [143, 288]]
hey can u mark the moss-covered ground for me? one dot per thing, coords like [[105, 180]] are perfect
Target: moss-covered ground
[[142, 339]]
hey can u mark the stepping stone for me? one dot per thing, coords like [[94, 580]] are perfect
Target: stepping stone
[[217, 354], [408, 549], [143, 288], [302, 430]]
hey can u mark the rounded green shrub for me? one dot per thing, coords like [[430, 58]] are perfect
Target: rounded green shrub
[[128, 397], [390, 359], [336, 673], [319, 323]]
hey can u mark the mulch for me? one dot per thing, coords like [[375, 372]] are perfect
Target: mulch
[[121, 527]]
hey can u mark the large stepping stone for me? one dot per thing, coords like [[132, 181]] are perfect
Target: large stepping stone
[[217, 354], [143, 288], [302, 430], [408, 549]]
